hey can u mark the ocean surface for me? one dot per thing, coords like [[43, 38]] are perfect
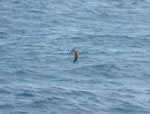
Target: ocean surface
[[111, 75]]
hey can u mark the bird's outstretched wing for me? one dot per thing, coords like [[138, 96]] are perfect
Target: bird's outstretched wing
[[75, 52], [75, 58]]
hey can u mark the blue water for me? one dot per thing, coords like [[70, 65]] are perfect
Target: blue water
[[37, 73]]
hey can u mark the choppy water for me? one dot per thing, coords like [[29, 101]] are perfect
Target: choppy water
[[37, 74]]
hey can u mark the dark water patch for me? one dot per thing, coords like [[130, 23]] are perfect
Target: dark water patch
[[102, 69], [115, 83], [5, 91], [57, 103], [82, 93], [6, 106], [25, 94], [37, 11], [22, 112], [127, 107], [20, 73], [148, 91], [129, 91], [3, 35]]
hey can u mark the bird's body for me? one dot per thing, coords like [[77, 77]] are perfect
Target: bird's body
[[75, 52]]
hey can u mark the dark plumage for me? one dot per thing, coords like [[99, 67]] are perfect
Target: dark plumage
[[75, 54]]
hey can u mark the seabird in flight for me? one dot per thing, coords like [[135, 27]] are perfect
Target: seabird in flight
[[75, 52]]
